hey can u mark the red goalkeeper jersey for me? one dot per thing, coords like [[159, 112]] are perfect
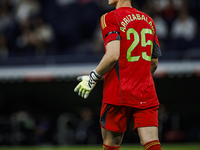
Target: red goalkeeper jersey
[[130, 82]]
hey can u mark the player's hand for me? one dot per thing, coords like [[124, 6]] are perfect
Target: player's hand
[[87, 84]]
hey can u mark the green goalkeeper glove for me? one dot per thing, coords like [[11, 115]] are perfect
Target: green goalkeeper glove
[[87, 84]]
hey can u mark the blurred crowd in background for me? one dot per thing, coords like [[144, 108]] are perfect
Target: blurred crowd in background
[[63, 31], [53, 31], [25, 128], [41, 29]]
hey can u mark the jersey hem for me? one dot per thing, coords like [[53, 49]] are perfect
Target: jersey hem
[[110, 129], [132, 105]]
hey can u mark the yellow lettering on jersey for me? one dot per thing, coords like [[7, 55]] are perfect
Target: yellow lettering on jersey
[[138, 16], [130, 18], [103, 21], [134, 18], [150, 23], [152, 27], [123, 24], [147, 20], [122, 29], [126, 21], [143, 17]]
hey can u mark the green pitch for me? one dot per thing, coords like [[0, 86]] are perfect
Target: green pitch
[[191, 146]]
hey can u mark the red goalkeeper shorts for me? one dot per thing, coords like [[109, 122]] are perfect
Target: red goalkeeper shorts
[[115, 118]]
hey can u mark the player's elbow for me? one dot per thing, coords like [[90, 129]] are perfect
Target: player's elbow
[[154, 64], [154, 68], [113, 57]]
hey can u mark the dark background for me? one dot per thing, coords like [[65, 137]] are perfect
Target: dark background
[[50, 113], [178, 96]]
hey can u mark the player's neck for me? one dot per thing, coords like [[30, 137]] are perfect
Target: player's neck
[[123, 4]]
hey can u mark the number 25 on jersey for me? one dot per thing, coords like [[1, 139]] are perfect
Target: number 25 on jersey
[[136, 42]]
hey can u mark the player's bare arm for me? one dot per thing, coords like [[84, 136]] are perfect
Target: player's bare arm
[[154, 65], [110, 58], [106, 64]]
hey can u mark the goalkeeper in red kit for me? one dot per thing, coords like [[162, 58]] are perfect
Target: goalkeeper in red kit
[[131, 57]]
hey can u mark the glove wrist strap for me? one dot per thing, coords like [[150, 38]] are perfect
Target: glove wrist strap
[[95, 76]]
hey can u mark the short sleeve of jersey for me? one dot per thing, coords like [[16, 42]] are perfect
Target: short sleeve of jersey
[[109, 28], [156, 46]]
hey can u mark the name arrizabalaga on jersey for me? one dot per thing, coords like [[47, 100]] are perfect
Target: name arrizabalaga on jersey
[[133, 17], [127, 20]]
